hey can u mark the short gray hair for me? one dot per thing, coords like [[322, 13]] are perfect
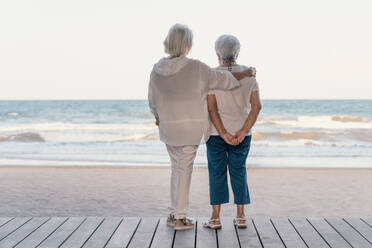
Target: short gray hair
[[178, 41], [227, 46]]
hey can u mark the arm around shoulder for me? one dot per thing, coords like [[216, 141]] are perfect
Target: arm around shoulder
[[217, 79]]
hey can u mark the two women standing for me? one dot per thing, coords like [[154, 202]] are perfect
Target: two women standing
[[178, 93]]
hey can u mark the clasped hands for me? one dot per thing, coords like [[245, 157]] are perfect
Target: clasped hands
[[234, 139]]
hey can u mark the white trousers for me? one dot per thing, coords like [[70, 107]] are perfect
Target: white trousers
[[182, 160]]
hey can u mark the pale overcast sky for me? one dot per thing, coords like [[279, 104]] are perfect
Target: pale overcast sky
[[86, 49]]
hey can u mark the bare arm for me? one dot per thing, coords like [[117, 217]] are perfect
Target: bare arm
[[252, 117], [255, 110], [216, 120], [213, 114]]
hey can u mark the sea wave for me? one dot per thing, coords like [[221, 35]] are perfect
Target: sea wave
[[289, 135], [357, 135], [139, 137], [65, 126], [81, 138], [320, 121], [22, 137], [283, 137], [13, 114]]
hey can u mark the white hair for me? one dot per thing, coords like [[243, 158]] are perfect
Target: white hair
[[227, 47], [178, 41]]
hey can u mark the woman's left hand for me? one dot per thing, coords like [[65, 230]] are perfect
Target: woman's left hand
[[240, 135]]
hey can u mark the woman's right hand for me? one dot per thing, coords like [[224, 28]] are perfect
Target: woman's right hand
[[229, 139], [251, 72]]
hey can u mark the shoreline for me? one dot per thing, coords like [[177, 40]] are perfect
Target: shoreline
[[118, 191], [249, 167]]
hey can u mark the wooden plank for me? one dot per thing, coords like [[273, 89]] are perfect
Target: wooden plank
[[348, 233], [83, 233], [4, 220], [328, 233], [23, 232], [164, 235], [123, 233], [103, 234], [205, 237], [62, 233], [42, 233], [248, 237], [185, 238], [226, 236], [368, 221], [363, 228], [144, 233], [288, 234], [266, 231], [12, 226], [308, 233]]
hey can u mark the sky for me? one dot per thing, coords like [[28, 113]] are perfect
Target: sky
[[87, 49]]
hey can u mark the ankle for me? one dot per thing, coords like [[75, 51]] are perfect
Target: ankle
[[240, 215], [215, 216]]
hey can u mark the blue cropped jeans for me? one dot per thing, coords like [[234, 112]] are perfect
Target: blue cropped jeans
[[222, 156]]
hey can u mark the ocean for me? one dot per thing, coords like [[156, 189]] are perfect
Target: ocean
[[288, 133]]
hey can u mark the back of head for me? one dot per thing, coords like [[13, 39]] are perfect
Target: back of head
[[227, 47], [178, 41]]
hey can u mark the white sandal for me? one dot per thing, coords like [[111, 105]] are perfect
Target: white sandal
[[212, 224], [238, 220]]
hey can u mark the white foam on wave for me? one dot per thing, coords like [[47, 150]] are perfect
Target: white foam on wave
[[101, 137], [320, 122], [13, 114], [62, 126]]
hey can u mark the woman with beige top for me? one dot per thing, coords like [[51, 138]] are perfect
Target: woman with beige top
[[177, 97], [233, 114]]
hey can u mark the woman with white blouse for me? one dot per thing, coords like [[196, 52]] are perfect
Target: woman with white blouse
[[233, 114], [177, 98]]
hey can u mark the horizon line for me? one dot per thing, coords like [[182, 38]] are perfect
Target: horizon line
[[144, 99]]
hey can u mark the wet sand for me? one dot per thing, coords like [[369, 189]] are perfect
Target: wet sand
[[126, 191]]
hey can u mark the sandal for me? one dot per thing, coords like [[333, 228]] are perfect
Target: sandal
[[170, 220], [213, 224], [186, 224], [240, 222]]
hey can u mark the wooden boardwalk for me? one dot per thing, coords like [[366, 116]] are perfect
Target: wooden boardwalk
[[115, 232]]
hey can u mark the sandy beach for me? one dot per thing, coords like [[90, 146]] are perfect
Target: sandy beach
[[123, 191]]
